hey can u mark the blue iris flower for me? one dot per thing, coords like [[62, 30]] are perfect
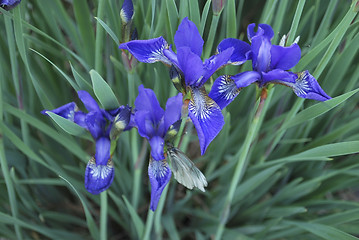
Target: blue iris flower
[[9, 4], [205, 114], [270, 65], [153, 123], [102, 125]]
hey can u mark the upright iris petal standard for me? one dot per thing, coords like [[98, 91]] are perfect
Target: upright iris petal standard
[[9, 4], [203, 111], [99, 122], [270, 64]]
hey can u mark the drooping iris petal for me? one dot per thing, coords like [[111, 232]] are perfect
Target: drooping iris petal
[[90, 103], [173, 110], [98, 177], [206, 116], [157, 144], [147, 101], [126, 12], [103, 147], [278, 75], [66, 111], [240, 53], [160, 174], [261, 55], [263, 29], [244, 79], [187, 35], [214, 63], [95, 124], [284, 57], [306, 86], [224, 91], [148, 51], [191, 65]]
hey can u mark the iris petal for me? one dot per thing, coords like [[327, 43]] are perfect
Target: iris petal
[[126, 12], [66, 111], [157, 144], [187, 35], [245, 79], [98, 177], [147, 101], [214, 63], [173, 110], [284, 57], [224, 91], [90, 103], [95, 124], [261, 54], [103, 147], [148, 51], [160, 174], [191, 65], [206, 116], [263, 29], [240, 53]]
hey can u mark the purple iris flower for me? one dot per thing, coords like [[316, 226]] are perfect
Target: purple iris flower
[[203, 111], [9, 4], [270, 65], [101, 124], [153, 123]]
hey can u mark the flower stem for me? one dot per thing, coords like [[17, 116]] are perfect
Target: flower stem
[[103, 216], [243, 159], [99, 37]]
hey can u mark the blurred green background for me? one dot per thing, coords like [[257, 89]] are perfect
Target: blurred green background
[[291, 174]]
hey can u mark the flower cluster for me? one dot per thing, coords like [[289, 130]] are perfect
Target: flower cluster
[[189, 73]]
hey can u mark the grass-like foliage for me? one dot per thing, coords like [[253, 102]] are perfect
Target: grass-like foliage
[[290, 172]]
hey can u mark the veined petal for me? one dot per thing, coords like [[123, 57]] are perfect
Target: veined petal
[[160, 174], [173, 110], [172, 57], [145, 126], [191, 65], [95, 124], [263, 29], [66, 111], [212, 64], [245, 79], [147, 101], [184, 170], [224, 91], [157, 144], [103, 147], [306, 86], [284, 57], [90, 103], [187, 35], [240, 53], [206, 116], [261, 53], [98, 177], [148, 51]]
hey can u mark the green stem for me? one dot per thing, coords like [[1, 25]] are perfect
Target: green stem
[[99, 37], [149, 224], [242, 161], [293, 28], [103, 216]]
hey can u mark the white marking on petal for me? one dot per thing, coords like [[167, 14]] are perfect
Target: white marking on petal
[[200, 104], [100, 171], [302, 85], [158, 168], [184, 170], [228, 88]]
